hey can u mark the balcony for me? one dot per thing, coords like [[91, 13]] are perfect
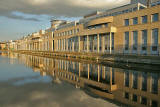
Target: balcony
[[101, 30], [100, 21]]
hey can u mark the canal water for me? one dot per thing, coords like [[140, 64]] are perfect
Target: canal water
[[32, 81]]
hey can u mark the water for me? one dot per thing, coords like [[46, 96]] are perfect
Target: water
[[27, 80]]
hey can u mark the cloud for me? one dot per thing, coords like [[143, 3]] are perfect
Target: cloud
[[66, 8], [21, 17]]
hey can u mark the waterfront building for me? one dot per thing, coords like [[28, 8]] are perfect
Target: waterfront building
[[129, 29], [145, 1], [2, 45]]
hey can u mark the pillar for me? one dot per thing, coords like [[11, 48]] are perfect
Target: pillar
[[39, 46], [149, 42], [79, 69], [130, 79], [139, 42], [66, 44], [87, 43], [79, 43], [139, 81], [98, 73], [149, 81], [73, 44], [110, 75], [103, 74], [98, 43], [88, 71]]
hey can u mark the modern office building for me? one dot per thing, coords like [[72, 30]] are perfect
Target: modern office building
[[129, 29]]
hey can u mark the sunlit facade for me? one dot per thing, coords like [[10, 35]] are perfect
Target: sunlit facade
[[130, 29]]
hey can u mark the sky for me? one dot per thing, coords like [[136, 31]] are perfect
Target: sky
[[19, 18]]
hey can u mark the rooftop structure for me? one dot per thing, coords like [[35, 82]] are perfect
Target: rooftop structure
[[115, 11]]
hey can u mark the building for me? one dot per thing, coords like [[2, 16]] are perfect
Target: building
[[144, 1], [2, 45], [129, 29]]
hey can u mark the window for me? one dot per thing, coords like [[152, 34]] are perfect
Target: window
[[144, 100], [144, 40], [106, 24], [126, 40], [154, 39], [154, 103], [77, 30], [126, 95], [135, 20], [135, 80], [135, 8], [144, 19], [126, 79], [112, 41], [144, 81], [107, 43], [155, 17], [95, 42], [134, 97], [135, 40], [126, 22], [154, 83], [100, 42]]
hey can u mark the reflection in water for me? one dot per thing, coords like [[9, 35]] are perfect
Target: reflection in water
[[135, 88]]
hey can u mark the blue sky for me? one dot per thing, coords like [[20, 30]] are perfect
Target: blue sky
[[19, 18]]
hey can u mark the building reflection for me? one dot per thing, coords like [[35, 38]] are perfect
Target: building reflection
[[134, 88]]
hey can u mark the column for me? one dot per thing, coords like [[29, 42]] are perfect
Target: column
[[98, 73], [57, 48], [73, 44], [130, 42], [79, 43], [66, 44], [104, 73], [87, 43], [62, 45], [130, 79], [139, 81], [39, 46], [139, 42], [149, 78], [79, 69], [88, 71], [98, 43], [110, 75]]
